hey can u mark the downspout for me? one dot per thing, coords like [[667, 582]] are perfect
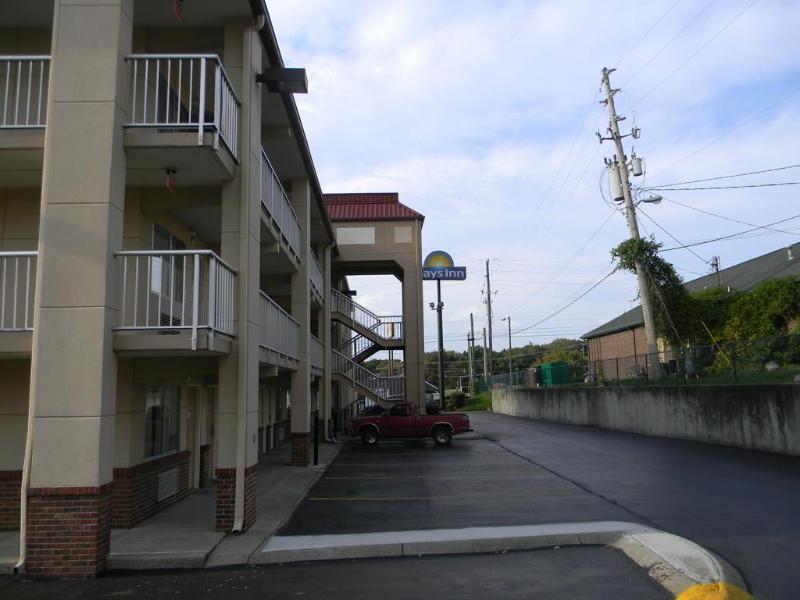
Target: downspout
[[25, 484], [241, 429]]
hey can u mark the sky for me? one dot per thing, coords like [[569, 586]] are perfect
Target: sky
[[482, 115]]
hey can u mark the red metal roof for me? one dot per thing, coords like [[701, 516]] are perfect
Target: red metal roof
[[368, 207]]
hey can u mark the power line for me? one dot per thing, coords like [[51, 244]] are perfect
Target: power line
[[730, 131], [696, 52], [729, 187], [669, 43], [732, 220], [666, 185], [653, 221], [647, 33], [732, 235], [565, 307]]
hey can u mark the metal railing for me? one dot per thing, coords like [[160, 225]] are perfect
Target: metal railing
[[385, 388], [280, 333], [315, 275], [275, 203], [317, 351], [173, 290], [345, 305], [24, 82], [184, 91], [355, 345], [17, 286]]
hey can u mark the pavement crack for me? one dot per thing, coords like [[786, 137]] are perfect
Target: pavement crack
[[641, 518]]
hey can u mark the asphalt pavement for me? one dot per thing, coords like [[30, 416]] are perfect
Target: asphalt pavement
[[585, 573], [741, 504]]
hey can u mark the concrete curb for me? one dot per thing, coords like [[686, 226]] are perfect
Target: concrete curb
[[674, 562]]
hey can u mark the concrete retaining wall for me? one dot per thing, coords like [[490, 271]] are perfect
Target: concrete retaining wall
[[760, 417]]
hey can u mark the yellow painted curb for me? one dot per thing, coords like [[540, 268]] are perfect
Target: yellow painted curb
[[714, 591]]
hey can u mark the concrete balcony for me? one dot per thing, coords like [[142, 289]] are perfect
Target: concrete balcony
[[279, 222], [174, 302], [17, 287], [184, 116], [24, 84], [280, 335]]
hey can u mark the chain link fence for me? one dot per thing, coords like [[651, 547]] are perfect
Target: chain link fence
[[768, 360]]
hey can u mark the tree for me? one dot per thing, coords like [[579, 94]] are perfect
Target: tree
[[672, 305]]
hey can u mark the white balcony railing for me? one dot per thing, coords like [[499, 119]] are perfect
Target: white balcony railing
[[173, 290], [315, 275], [317, 351], [345, 305], [275, 203], [23, 91], [184, 91], [17, 285], [280, 333]]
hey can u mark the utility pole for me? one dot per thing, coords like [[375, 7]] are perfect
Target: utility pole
[[471, 347], [489, 312], [621, 165], [508, 318], [485, 358], [438, 308], [715, 266]]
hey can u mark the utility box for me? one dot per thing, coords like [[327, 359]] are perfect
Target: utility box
[[555, 373]]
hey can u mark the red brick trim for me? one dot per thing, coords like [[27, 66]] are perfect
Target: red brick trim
[[69, 534], [226, 498], [10, 485], [135, 495], [300, 450], [72, 491]]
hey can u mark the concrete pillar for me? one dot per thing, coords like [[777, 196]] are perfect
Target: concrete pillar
[[413, 332], [327, 341], [301, 311], [73, 367], [237, 436]]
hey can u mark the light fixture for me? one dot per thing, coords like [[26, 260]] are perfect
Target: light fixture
[[285, 81], [653, 199]]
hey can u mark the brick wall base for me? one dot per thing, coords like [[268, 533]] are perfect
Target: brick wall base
[[299, 449], [69, 531], [10, 483], [135, 494], [226, 498]]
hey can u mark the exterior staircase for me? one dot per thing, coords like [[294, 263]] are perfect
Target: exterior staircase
[[384, 390], [373, 332]]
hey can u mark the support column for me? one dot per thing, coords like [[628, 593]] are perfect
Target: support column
[[326, 394], [73, 366], [301, 311], [413, 333], [237, 436]]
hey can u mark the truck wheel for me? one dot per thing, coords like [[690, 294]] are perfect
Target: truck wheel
[[442, 436], [369, 436]]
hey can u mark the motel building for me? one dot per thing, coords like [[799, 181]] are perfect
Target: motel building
[[174, 302]]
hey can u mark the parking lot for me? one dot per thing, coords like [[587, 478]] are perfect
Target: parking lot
[[402, 485]]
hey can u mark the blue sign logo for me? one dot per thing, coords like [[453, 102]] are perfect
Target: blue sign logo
[[438, 265]]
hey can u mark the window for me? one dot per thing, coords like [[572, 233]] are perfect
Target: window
[[400, 410], [162, 420]]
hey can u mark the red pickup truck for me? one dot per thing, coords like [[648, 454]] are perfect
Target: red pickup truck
[[402, 420]]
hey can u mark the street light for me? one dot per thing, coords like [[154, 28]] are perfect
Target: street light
[[509, 348], [438, 306]]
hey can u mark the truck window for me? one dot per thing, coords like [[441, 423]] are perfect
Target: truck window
[[400, 410]]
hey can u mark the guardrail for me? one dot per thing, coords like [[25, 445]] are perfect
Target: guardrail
[[385, 388], [317, 350], [185, 91], [173, 290], [315, 275], [345, 305], [24, 82], [275, 203], [17, 286], [280, 333]]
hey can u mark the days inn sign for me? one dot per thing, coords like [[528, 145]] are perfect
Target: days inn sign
[[439, 266]]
